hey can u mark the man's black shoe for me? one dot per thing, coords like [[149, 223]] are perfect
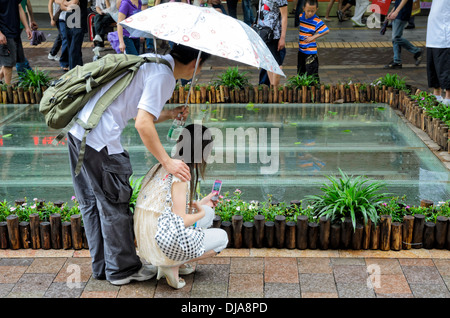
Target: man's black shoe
[[393, 65], [418, 57]]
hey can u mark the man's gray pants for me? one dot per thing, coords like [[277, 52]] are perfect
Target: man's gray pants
[[102, 190]]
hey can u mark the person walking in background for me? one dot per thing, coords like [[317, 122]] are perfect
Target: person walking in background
[[24, 65], [127, 44], [73, 26], [311, 28], [11, 14], [52, 11], [329, 7], [298, 11], [400, 15], [360, 9], [438, 50], [343, 9], [274, 14]]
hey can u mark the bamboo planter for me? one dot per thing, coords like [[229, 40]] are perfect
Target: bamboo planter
[[411, 232], [38, 234], [386, 236]]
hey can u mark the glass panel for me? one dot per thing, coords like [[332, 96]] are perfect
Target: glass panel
[[284, 150]]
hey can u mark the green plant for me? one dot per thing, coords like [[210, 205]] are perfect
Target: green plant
[[300, 80], [395, 207], [432, 107], [354, 197], [232, 78], [5, 210], [136, 187], [34, 78], [391, 81]]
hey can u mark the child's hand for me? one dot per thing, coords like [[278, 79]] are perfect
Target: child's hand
[[309, 39]]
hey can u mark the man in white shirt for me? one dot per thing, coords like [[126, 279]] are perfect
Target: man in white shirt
[[102, 187], [438, 50]]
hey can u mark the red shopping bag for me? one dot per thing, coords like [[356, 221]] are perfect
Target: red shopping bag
[[380, 6]]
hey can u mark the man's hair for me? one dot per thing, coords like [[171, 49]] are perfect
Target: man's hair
[[185, 54], [311, 3]]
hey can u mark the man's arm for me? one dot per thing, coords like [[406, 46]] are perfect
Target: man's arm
[[33, 24], [23, 19], [394, 13], [145, 125], [284, 23]]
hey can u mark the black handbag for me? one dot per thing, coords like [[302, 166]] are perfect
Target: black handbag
[[264, 32]]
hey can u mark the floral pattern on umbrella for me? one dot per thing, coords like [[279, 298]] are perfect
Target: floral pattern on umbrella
[[204, 29]]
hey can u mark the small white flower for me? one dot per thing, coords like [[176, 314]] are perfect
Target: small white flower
[[238, 208]]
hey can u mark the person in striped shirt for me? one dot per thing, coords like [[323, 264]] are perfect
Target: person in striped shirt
[[310, 28]]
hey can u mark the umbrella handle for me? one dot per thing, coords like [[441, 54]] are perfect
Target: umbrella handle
[[193, 81]]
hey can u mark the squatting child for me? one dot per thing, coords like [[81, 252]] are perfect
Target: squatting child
[[310, 29]]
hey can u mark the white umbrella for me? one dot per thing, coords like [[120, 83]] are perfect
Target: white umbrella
[[204, 29]]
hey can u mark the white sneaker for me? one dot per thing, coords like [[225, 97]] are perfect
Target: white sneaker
[[357, 24], [145, 273], [98, 38], [53, 57]]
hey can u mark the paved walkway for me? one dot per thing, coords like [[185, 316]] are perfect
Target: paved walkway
[[346, 53], [240, 273]]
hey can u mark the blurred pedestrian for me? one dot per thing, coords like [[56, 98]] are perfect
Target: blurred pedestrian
[[274, 14], [128, 44], [360, 9], [24, 65], [52, 11], [438, 50], [329, 7], [11, 14], [400, 15]]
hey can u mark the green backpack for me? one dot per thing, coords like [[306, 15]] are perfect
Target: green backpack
[[66, 96]]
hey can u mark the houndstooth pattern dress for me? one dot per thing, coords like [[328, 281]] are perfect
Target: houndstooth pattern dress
[[149, 206]]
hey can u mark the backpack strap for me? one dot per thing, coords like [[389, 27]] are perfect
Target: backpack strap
[[103, 103]]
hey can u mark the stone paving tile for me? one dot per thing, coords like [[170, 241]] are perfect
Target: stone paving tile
[[315, 265], [16, 261], [75, 269], [430, 290], [317, 283], [416, 262], [11, 274], [94, 285], [352, 274], [281, 290], [5, 289], [354, 290], [209, 290], [280, 270], [383, 266], [214, 273], [64, 290], [99, 294], [246, 286], [422, 275], [347, 261], [138, 290], [254, 265], [46, 265], [390, 284], [32, 285], [320, 295], [443, 266]]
